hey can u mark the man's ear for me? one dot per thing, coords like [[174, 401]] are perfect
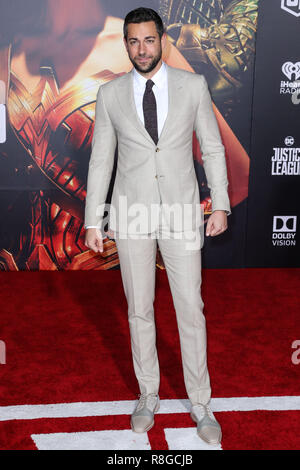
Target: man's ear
[[125, 43], [163, 40]]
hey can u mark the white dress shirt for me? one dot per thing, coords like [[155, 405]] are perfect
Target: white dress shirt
[[160, 90]]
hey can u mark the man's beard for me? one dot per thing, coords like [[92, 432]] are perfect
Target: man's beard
[[153, 63]]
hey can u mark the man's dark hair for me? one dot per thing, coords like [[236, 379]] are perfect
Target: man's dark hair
[[141, 15]]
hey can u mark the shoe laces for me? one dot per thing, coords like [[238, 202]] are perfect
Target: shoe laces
[[201, 410], [146, 399]]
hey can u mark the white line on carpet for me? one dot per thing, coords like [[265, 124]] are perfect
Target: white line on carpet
[[125, 407]]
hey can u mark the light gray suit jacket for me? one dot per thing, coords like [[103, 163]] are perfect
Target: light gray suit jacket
[[149, 174]]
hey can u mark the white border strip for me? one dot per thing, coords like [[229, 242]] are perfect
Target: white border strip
[[2, 123], [126, 407]]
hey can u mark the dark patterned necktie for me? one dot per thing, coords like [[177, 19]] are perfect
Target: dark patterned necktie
[[150, 111]]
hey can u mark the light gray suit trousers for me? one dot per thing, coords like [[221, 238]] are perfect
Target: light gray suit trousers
[[137, 256]]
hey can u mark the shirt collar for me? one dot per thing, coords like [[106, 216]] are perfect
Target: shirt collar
[[159, 78]]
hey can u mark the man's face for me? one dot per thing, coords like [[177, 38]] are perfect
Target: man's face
[[144, 46]]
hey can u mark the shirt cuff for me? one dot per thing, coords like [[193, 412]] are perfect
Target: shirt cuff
[[228, 212]]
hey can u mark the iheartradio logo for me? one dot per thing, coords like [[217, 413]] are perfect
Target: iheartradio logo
[[289, 69]]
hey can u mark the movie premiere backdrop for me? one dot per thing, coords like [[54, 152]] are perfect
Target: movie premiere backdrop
[[273, 237], [53, 59]]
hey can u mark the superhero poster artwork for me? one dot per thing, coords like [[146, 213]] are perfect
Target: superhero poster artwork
[[54, 55]]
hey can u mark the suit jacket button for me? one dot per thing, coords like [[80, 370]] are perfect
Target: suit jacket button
[[157, 149]]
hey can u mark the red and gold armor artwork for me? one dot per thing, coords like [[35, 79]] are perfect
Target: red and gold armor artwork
[[54, 130], [216, 37]]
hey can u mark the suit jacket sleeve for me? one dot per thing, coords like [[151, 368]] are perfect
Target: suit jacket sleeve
[[213, 151], [100, 165]]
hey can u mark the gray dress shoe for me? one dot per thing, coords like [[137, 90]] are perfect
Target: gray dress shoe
[[208, 427], [142, 419]]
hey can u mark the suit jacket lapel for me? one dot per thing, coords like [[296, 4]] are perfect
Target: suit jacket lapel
[[125, 95]]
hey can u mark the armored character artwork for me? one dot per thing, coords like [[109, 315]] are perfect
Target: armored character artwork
[[217, 38], [52, 64]]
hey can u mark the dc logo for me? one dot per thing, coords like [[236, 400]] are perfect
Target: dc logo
[[284, 223], [289, 141], [289, 69], [291, 6]]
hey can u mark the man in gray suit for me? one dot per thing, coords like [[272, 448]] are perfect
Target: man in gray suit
[[151, 112]]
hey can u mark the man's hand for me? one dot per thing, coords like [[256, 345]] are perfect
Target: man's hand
[[216, 224], [93, 239]]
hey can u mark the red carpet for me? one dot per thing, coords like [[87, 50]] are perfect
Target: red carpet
[[67, 341]]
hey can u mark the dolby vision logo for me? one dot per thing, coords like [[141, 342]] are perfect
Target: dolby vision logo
[[284, 230], [284, 223]]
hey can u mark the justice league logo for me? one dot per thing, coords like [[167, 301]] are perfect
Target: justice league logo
[[291, 6], [286, 160]]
